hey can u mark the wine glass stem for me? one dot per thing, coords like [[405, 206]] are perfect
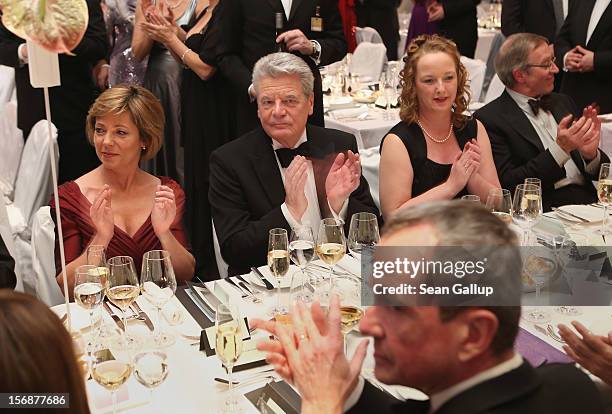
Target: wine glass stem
[[159, 321], [125, 328], [278, 296], [345, 345], [604, 222], [114, 401], [230, 387], [331, 279]]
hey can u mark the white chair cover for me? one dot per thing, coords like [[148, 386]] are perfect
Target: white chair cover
[[8, 238], [370, 162], [7, 84], [496, 88], [367, 34], [43, 258], [11, 147], [222, 266], [368, 61], [34, 185], [476, 73]]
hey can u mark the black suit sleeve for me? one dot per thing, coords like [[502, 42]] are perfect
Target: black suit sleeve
[[373, 400], [512, 17], [455, 8], [243, 240], [333, 43], [94, 45], [231, 22], [7, 268], [9, 43]]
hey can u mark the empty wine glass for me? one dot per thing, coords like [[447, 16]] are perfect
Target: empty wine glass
[[331, 244], [604, 193], [228, 346], [158, 285], [527, 207], [111, 371], [348, 290], [499, 202], [122, 287], [89, 294], [301, 250], [278, 262], [151, 369], [535, 181], [363, 233]]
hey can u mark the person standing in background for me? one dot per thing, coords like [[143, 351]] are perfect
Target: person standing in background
[[457, 21], [382, 16], [419, 21], [69, 101], [349, 21]]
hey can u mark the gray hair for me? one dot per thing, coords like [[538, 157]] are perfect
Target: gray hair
[[514, 54], [280, 64]]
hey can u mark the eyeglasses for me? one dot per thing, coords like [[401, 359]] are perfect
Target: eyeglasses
[[548, 66]]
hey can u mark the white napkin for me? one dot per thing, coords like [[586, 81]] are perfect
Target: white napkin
[[348, 113], [590, 213]]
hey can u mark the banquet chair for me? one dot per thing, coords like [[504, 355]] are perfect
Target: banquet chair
[[476, 72], [495, 89], [7, 85], [7, 237], [368, 61], [43, 258], [367, 34], [11, 147], [370, 162], [222, 266]]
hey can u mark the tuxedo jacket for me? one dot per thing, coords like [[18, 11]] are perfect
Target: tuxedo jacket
[[518, 151], [552, 388], [460, 24], [71, 100], [7, 268], [530, 16], [249, 30], [595, 86], [247, 191], [382, 16]]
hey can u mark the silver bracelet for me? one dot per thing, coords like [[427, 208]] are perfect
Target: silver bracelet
[[185, 53]]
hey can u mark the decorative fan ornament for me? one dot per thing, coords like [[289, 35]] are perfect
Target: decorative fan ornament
[[56, 25]]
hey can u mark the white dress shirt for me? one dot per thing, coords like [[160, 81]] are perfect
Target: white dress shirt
[[287, 7], [438, 399], [598, 10], [565, 8], [312, 214], [545, 126]]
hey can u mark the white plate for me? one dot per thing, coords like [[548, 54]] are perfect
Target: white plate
[[80, 317], [590, 213], [285, 281]]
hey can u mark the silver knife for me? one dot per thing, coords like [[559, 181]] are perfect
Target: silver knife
[[567, 213], [260, 275]]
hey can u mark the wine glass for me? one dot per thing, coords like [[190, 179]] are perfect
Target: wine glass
[[331, 244], [499, 201], [363, 233], [96, 256], [527, 207], [389, 94], [348, 289], [158, 285], [122, 287], [301, 250], [567, 248], [471, 197], [151, 369], [228, 346], [89, 294], [535, 181], [278, 262], [604, 193], [111, 372]]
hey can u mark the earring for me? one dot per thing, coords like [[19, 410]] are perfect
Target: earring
[[143, 148]]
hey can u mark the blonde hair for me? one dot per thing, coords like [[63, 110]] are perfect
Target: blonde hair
[[409, 104], [142, 106]]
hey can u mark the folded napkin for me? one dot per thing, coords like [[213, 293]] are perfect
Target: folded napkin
[[537, 351], [348, 113], [591, 213]]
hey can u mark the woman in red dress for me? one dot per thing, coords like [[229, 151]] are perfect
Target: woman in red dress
[[118, 205]]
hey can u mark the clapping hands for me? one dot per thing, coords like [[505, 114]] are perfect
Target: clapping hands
[[164, 211], [583, 134], [466, 164], [295, 182], [159, 24], [342, 179], [101, 214]]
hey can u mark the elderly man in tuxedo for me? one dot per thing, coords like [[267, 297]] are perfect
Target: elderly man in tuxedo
[[461, 357], [536, 133], [584, 50], [285, 173]]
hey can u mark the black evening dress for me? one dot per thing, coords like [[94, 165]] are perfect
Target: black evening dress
[[207, 123], [427, 173]]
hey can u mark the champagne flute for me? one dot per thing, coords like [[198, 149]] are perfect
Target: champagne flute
[[278, 262], [604, 193], [348, 289], [151, 369], [158, 285], [89, 294], [331, 244], [535, 181], [96, 256], [228, 346], [499, 201], [527, 207], [110, 372], [363, 233], [301, 250], [122, 287]]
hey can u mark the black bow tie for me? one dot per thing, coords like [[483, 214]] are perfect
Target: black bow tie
[[544, 103], [286, 155]]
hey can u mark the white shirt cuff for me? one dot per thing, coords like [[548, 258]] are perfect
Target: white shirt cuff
[[565, 69], [251, 92], [342, 214], [23, 59], [558, 154], [289, 217], [592, 167], [318, 58], [355, 395]]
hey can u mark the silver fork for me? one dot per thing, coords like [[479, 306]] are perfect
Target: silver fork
[[553, 334]]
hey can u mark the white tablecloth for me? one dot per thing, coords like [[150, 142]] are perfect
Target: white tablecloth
[[606, 134]]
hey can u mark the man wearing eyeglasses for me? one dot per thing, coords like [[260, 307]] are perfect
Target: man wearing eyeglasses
[[285, 173], [540, 134]]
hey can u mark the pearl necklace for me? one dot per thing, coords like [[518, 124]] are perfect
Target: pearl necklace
[[431, 137]]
